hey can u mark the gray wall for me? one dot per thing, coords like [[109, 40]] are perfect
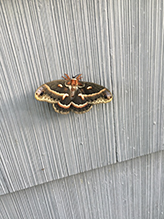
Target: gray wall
[[131, 189], [118, 44]]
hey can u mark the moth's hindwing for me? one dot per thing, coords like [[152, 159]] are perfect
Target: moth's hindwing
[[61, 110]]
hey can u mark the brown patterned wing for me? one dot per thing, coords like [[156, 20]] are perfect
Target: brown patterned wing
[[94, 94], [57, 93]]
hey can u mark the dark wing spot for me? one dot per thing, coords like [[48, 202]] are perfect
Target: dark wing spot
[[41, 93]]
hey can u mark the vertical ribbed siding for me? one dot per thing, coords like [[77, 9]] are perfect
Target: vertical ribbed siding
[[131, 189], [113, 43]]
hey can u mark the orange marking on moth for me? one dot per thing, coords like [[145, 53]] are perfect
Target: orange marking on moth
[[94, 94], [60, 85], [68, 83], [90, 87], [64, 96], [80, 84], [79, 105], [80, 95], [74, 104], [64, 106]]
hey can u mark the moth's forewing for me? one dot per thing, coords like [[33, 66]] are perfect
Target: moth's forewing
[[52, 92], [94, 93]]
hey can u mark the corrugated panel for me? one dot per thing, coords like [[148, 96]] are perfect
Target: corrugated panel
[[3, 185], [116, 44], [131, 189]]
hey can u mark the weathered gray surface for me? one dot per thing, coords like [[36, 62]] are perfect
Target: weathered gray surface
[[113, 43], [131, 189]]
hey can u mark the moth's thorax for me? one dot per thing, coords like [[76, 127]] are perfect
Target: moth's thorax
[[73, 86], [74, 82]]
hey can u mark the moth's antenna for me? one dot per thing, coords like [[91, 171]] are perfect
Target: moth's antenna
[[67, 77]]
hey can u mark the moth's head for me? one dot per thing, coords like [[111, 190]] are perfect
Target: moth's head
[[74, 81], [77, 77]]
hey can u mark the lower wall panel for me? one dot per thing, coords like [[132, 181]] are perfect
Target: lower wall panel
[[131, 189]]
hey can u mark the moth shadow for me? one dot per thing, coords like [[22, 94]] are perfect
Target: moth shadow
[[39, 110], [26, 111]]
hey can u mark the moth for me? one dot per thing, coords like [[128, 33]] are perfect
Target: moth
[[71, 94]]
